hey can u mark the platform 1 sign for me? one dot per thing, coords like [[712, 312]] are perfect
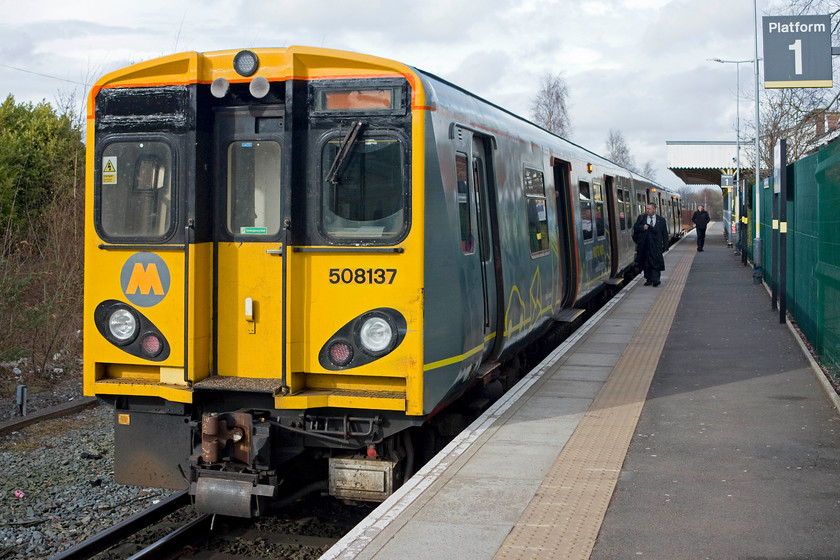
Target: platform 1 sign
[[797, 51]]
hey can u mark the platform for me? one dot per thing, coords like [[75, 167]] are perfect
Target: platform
[[681, 422]]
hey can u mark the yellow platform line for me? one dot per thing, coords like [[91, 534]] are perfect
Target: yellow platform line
[[564, 517]]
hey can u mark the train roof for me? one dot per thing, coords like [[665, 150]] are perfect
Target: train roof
[[186, 65], [633, 174]]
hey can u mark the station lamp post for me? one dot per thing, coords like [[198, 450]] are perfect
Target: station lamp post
[[738, 63], [757, 256]]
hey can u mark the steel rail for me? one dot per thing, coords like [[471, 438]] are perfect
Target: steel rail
[[180, 537], [113, 535], [64, 409]]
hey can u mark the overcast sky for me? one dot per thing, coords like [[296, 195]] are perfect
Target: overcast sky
[[638, 66]]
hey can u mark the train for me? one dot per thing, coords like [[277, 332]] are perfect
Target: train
[[299, 260]]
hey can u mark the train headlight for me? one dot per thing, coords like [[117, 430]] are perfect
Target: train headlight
[[246, 63], [219, 88], [123, 325], [259, 87], [376, 335]]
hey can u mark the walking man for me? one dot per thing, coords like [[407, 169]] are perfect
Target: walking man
[[701, 219], [650, 232]]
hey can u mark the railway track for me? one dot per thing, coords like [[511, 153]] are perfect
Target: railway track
[[64, 409], [116, 534], [303, 531]]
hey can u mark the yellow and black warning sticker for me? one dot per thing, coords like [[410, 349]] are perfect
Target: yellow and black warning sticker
[[109, 170]]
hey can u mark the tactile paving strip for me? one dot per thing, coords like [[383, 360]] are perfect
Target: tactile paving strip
[[565, 515]]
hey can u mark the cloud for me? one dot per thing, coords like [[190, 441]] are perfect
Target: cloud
[[635, 65]]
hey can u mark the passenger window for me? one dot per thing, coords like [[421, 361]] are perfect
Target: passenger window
[[136, 190], [628, 208], [534, 187], [464, 203], [600, 230], [599, 209], [585, 210], [480, 212], [621, 215]]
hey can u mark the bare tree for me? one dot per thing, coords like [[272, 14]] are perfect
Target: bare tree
[[549, 109], [618, 152], [791, 114], [822, 7]]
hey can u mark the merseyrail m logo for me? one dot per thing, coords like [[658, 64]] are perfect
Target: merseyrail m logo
[[145, 279]]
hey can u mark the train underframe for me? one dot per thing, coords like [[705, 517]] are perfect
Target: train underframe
[[238, 460]]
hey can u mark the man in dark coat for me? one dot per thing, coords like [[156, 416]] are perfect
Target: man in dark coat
[[701, 219], [650, 232]]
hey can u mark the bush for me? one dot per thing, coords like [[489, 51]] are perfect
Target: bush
[[41, 257]]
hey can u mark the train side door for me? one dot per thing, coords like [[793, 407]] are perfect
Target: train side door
[[484, 191], [475, 190], [602, 235], [566, 246], [248, 242], [612, 223]]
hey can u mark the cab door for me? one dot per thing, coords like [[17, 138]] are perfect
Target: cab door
[[248, 242]]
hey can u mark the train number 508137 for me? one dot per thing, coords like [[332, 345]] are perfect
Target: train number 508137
[[362, 275]]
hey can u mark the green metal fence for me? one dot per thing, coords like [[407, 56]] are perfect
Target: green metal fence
[[813, 248]]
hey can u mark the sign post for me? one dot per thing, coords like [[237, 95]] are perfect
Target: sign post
[[779, 247], [727, 183], [797, 52], [780, 187]]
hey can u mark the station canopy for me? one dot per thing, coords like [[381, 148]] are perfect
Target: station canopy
[[700, 162]]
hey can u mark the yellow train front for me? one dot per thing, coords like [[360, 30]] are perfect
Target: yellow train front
[[253, 290]]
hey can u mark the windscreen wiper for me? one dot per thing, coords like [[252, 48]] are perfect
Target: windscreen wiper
[[343, 151]]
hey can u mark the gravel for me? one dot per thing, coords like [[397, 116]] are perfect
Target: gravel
[[58, 486]]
